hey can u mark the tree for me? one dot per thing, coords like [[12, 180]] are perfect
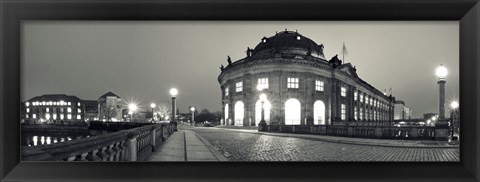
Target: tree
[[109, 112], [164, 110]]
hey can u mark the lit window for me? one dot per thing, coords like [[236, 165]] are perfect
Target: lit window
[[361, 97], [343, 111], [47, 116], [54, 116], [292, 82], [226, 91], [69, 116], [262, 83], [62, 102], [78, 104], [355, 114], [61, 109], [318, 85], [50, 103], [79, 117], [264, 40], [47, 109], [27, 104], [343, 92], [26, 115], [69, 110], [34, 116], [367, 99], [374, 115], [298, 37], [61, 116], [371, 101], [361, 113], [239, 87], [28, 110], [79, 110], [43, 103], [355, 95], [69, 103]]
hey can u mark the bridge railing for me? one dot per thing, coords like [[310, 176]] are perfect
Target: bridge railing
[[360, 131], [135, 144]]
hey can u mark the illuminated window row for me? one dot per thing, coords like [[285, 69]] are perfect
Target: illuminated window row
[[50, 103], [49, 116]]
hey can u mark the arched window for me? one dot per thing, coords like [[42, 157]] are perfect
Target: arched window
[[319, 113], [226, 112], [239, 110], [292, 112], [258, 111]]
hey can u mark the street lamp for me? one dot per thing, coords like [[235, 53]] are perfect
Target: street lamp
[[173, 93], [131, 108], [193, 115], [262, 126], [441, 131], [152, 105], [441, 73]]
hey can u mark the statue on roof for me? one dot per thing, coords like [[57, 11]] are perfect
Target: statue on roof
[[249, 52], [229, 60], [222, 68]]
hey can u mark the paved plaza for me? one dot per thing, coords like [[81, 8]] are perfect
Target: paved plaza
[[250, 145]]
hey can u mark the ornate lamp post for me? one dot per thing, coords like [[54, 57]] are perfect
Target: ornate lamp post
[[193, 115], [152, 105], [441, 126], [173, 93], [262, 126], [131, 110]]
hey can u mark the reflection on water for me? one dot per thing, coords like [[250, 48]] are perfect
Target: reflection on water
[[45, 138]]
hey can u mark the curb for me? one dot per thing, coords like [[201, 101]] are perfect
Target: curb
[[341, 141], [210, 147]]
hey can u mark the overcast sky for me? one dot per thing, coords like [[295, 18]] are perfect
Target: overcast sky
[[141, 61]]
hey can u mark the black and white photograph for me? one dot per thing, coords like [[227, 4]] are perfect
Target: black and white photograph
[[237, 91]]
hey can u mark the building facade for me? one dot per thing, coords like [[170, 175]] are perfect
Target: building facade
[[300, 85], [54, 108], [110, 107], [91, 110], [402, 112]]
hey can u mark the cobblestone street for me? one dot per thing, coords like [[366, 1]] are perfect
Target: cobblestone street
[[245, 146]]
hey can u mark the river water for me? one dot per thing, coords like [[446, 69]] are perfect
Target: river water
[[45, 138]]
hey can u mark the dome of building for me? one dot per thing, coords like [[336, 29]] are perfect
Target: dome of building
[[288, 40]]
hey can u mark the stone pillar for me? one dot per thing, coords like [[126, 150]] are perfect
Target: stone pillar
[[153, 133], [132, 146], [441, 99]]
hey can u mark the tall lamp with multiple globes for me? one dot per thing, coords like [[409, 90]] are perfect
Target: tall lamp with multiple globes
[[441, 126], [262, 126]]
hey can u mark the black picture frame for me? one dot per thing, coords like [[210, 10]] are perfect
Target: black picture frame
[[467, 12]]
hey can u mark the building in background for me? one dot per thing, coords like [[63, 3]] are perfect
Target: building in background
[[110, 107], [402, 112], [91, 110], [54, 108], [301, 86]]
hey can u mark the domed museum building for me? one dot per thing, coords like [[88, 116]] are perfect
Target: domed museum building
[[288, 75]]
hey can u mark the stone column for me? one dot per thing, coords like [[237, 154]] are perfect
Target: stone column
[[132, 146], [441, 99]]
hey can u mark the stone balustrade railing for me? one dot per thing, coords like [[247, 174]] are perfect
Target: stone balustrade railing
[[135, 144], [384, 132]]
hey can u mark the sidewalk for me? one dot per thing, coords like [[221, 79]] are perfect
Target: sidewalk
[[186, 145], [356, 141]]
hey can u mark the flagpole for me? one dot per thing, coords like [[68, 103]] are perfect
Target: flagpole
[[343, 53]]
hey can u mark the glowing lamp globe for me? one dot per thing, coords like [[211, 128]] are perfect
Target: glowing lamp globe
[[454, 105], [173, 92], [192, 109], [153, 105], [441, 72], [263, 97], [132, 107]]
